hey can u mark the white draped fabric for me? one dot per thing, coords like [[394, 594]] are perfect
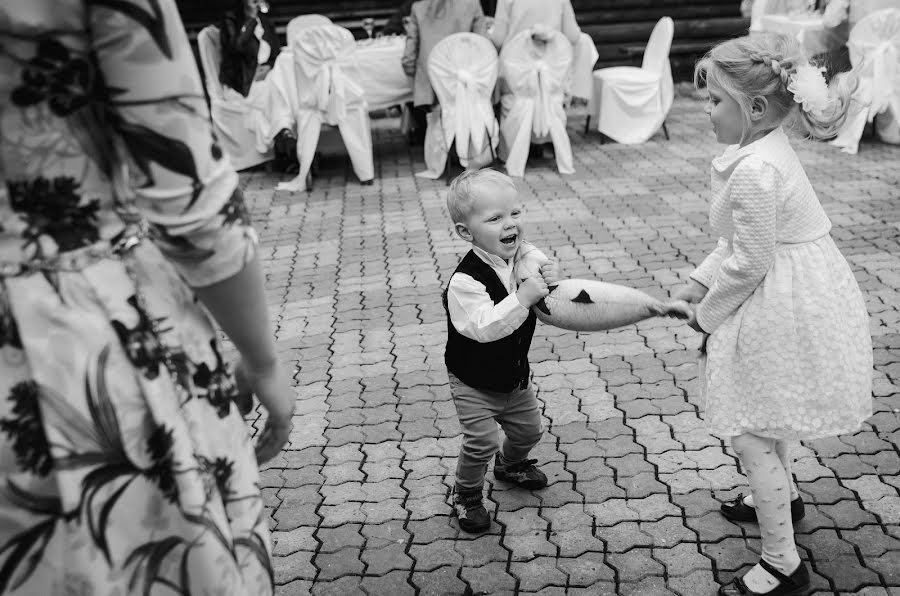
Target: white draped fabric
[[584, 57], [535, 73], [875, 54], [241, 126], [325, 94], [761, 8], [375, 68], [809, 29], [630, 103], [297, 24], [462, 69]]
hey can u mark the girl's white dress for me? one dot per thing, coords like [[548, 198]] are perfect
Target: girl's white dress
[[789, 354]]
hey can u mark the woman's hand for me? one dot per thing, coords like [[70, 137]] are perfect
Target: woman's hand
[[274, 390], [261, 71], [550, 272], [692, 292]]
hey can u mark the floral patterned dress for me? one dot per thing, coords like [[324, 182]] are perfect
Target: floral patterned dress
[[124, 465]]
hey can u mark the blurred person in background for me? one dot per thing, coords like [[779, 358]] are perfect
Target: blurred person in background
[[249, 45]]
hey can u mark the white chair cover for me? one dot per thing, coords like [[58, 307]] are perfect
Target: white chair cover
[[536, 74], [875, 55], [463, 71], [764, 7], [630, 104], [237, 124], [297, 24], [326, 95]]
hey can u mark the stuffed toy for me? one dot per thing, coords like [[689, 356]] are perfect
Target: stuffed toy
[[590, 305]]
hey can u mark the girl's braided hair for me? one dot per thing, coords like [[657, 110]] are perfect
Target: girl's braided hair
[[761, 65]]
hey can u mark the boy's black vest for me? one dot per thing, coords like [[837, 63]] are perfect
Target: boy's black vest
[[500, 365]]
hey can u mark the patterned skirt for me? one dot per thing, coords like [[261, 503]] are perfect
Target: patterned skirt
[[124, 465], [795, 360]]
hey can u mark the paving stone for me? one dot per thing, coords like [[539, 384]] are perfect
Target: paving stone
[[635, 565], [395, 583], [576, 541], [294, 566], [429, 557], [338, 564], [344, 586], [489, 579], [439, 582], [287, 543], [537, 574], [847, 574], [586, 569]]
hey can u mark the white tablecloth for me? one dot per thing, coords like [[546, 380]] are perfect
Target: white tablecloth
[[813, 36], [375, 67]]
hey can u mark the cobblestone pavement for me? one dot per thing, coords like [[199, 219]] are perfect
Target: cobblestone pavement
[[359, 502]]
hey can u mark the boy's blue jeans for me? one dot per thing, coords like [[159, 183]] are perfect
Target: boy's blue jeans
[[479, 411]]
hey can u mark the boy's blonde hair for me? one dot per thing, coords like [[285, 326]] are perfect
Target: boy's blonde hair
[[761, 65], [468, 186]]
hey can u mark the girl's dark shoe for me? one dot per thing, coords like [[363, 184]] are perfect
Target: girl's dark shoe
[[795, 584], [739, 511], [470, 511]]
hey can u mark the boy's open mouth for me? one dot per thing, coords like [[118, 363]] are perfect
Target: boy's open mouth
[[510, 239]]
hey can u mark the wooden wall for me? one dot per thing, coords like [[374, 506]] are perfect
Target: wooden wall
[[620, 28]]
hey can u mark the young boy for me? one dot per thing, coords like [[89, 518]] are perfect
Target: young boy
[[489, 330]]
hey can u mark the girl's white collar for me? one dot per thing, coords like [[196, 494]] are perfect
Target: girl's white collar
[[775, 139]]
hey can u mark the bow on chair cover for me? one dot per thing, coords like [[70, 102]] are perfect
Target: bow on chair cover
[[239, 125], [536, 74], [875, 54], [462, 69], [324, 94]]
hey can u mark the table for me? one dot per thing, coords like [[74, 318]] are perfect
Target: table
[[813, 35]]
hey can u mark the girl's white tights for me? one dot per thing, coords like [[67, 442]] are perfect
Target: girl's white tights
[[770, 486], [782, 448]]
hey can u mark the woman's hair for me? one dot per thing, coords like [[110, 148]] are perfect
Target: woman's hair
[[437, 8], [761, 65]]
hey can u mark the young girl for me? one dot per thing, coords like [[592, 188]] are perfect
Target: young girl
[[788, 351]]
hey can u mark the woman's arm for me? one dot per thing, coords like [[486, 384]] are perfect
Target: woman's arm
[[501, 23], [411, 51], [570, 26]]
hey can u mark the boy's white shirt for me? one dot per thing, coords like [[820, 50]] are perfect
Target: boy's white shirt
[[472, 311]]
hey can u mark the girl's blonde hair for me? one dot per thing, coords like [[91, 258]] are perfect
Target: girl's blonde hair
[[761, 65]]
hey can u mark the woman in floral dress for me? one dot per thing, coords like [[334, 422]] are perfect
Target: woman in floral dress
[[125, 466]]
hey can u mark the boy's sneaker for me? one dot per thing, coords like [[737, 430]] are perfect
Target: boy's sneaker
[[523, 473], [470, 511]]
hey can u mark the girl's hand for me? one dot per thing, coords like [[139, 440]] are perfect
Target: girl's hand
[[692, 292], [550, 272], [692, 321], [275, 392]]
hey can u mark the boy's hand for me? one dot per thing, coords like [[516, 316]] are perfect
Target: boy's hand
[[531, 291], [692, 292], [677, 309], [550, 272]]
